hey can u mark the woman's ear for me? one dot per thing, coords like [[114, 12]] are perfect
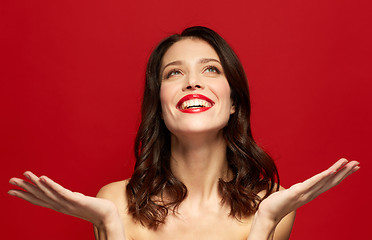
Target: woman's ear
[[232, 109]]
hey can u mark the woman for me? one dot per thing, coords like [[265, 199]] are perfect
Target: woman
[[198, 173]]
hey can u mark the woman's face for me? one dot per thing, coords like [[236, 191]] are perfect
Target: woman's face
[[194, 93]]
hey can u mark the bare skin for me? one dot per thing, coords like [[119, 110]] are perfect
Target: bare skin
[[198, 159], [110, 218]]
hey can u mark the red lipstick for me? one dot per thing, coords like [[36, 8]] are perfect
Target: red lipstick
[[194, 109]]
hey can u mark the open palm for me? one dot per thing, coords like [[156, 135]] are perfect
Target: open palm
[[43, 191], [281, 203]]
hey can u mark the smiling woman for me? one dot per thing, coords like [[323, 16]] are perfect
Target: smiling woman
[[199, 173], [200, 79], [213, 145]]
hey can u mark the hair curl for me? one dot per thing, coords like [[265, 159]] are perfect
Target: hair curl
[[253, 169]]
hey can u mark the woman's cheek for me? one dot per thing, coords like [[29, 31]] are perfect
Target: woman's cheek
[[167, 96]]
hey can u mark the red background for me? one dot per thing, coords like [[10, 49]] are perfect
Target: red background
[[72, 76]]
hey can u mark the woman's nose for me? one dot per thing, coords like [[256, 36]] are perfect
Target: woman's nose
[[193, 86], [193, 82]]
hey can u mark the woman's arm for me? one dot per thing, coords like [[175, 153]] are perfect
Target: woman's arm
[[110, 231], [115, 192], [279, 204], [43, 191]]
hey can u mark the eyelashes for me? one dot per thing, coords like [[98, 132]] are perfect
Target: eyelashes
[[173, 72], [210, 70]]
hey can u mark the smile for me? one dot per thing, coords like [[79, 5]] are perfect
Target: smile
[[194, 103]]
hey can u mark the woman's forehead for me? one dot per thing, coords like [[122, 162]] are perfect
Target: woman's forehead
[[189, 49]]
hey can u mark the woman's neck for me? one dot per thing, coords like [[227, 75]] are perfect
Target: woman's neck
[[199, 162]]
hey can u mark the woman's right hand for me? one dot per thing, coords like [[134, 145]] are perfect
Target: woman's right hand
[[43, 191]]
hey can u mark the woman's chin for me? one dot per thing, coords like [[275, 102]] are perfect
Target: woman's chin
[[197, 131]]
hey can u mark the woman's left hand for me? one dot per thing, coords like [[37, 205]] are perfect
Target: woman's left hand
[[281, 203]]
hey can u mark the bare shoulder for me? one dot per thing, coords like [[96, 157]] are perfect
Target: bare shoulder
[[115, 192], [112, 188]]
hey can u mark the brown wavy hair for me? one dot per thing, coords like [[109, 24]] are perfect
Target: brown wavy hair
[[253, 169]]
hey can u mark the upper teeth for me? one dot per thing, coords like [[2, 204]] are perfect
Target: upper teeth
[[195, 103]]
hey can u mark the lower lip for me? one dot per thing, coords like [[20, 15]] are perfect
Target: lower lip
[[195, 110]]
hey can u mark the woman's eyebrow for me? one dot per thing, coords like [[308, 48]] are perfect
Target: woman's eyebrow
[[179, 62], [207, 60], [170, 64]]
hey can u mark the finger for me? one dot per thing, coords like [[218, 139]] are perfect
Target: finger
[[346, 171], [62, 192], [312, 187], [28, 187], [324, 176], [339, 171], [36, 180], [45, 188], [29, 198], [338, 165], [307, 191], [313, 183]]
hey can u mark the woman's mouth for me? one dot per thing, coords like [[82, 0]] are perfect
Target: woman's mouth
[[194, 103]]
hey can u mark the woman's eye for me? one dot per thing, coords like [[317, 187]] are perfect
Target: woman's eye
[[212, 69], [173, 73]]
